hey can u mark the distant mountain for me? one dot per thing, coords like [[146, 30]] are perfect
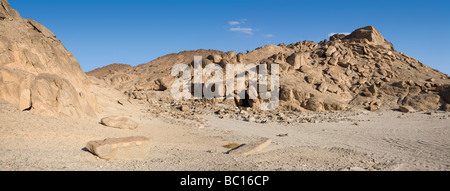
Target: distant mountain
[[361, 70]]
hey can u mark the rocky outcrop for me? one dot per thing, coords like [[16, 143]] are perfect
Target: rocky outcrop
[[445, 93], [37, 72], [369, 35], [109, 70], [361, 70]]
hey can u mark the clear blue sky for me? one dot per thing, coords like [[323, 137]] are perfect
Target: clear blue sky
[[102, 32]]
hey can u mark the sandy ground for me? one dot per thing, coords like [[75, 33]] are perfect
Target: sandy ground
[[387, 140]]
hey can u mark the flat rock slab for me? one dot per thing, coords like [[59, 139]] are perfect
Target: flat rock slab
[[120, 148], [251, 148], [119, 122]]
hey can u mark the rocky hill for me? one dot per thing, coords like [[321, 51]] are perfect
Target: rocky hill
[[359, 71], [154, 75], [37, 72], [109, 70]]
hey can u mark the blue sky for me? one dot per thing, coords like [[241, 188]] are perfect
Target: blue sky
[[102, 32]]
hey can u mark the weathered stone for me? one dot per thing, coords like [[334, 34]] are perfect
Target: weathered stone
[[251, 148], [422, 102], [296, 60], [314, 104], [400, 84], [311, 79], [357, 169], [37, 72], [330, 51], [251, 119], [25, 99], [446, 107], [215, 58], [336, 55], [414, 90], [369, 35], [371, 91], [229, 55], [140, 95], [445, 93], [54, 95], [240, 58], [184, 108], [120, 148], [407, 109], [323, 87], [332, 104], [2, 15], [333, 61], [119, 122], [374, 105]]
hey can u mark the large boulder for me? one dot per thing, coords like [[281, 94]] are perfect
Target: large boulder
[[314, 104], [34, 64], [120, 148], [330, 51], [296, 60], [422, 102]]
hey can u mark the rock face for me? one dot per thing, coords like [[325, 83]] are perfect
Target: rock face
[[357, 71], [37, 72], [119, 122], [120, 148]]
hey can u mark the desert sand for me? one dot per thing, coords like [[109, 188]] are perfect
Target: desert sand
[[350, 103], [387, 140]]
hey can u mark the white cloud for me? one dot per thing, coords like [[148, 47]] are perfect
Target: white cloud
[[245, 30], [231, 23], [344, 33], [267, 35]]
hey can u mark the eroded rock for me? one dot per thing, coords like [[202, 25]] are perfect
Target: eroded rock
[[119, 122], [120, 148]]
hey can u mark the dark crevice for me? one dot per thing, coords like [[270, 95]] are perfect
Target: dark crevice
[[228, 152], [28, 109], [6, 10]]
